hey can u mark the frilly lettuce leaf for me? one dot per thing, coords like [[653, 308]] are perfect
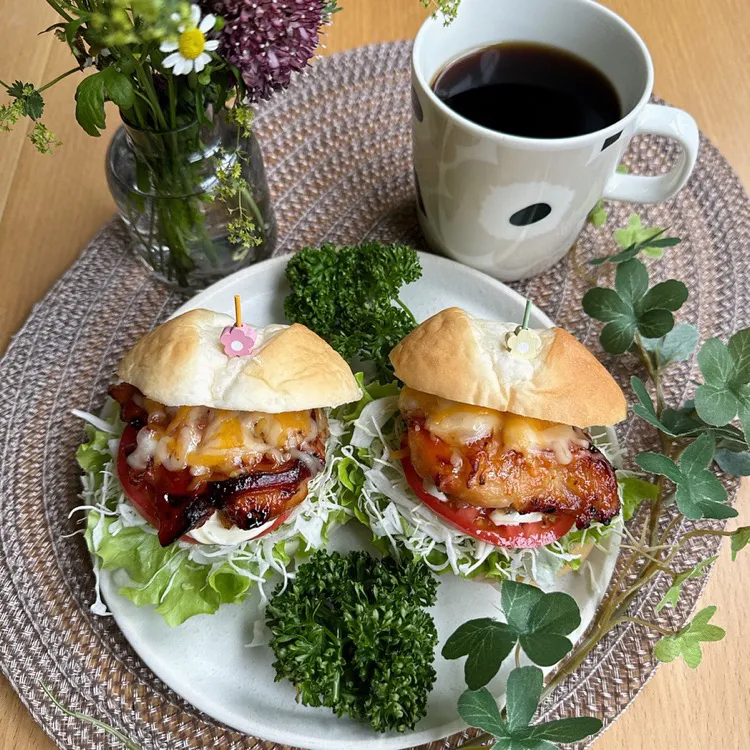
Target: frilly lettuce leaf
[[184, 580]]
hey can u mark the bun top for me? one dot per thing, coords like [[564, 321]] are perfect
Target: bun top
[[459, 357], [182, 363]]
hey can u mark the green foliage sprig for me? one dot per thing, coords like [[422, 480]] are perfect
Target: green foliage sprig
[[536, 624], [695, 439], [705, 433]]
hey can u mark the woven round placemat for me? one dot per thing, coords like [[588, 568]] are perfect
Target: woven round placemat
[[337, 151]]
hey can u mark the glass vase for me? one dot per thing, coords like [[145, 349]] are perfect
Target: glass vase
[[195, 200]]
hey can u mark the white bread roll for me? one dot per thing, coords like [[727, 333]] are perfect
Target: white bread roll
[[182, 363], [459, 357]]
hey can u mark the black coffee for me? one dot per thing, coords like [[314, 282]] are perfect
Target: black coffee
[[531, 90]]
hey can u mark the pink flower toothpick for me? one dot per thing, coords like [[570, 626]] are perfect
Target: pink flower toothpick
[[238, 340]]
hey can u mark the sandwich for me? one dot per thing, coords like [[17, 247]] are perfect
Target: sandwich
[[488, 448], [222, 450]]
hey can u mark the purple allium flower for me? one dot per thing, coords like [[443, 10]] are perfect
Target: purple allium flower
[[268, 40]]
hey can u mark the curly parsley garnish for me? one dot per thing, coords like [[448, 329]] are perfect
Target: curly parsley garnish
[[351, 634], [349, 297]]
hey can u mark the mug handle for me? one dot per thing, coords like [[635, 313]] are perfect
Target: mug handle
[[672, 123]]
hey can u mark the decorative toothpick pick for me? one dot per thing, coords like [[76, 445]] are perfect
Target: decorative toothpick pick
[[523, 343], [238, 340], [237, 311], [526, 314]]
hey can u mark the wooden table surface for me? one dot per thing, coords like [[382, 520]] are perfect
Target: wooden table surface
[[50, 206]]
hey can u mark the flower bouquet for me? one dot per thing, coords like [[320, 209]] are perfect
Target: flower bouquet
[[185, 169]]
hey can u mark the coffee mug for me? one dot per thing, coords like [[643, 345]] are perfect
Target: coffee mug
[[513, 206]]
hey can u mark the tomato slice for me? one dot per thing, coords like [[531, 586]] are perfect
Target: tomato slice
[[516, 536], [143, 496]]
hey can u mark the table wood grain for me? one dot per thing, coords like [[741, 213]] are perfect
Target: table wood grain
[[50, 206]]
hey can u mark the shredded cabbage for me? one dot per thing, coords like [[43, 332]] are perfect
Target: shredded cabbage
[[185, 579], [398, 520]]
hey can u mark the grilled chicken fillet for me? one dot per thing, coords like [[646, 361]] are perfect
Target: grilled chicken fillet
[[187, 463], [496, 460]]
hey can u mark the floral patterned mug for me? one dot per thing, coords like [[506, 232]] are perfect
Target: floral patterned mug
[[513, 206]]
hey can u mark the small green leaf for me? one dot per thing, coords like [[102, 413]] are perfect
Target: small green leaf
[[545, 649], [739, 350], [676, 346], [655, 323], [517, 601], [523, 690], [716, 404], [673, 593], [29, 99], [715, 362], [703, 496], [647, 416], [736, 464], [669, 295], [687, 642], [566, 730], [641, 392], [680, 422], [605, 305], [33, 105], [118, 87], [631, 280], [740, 540], [635, 232], [555, 612], [486, 643], [744, 414], [697, 456], [656, 463], [90, 104], [479, 709], [617, 337], [598, 215]]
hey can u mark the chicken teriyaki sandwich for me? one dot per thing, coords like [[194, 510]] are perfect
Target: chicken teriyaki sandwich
[[218, 466], [487, 450]]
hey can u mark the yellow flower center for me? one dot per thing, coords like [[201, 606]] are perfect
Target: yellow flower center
[[192, 42]]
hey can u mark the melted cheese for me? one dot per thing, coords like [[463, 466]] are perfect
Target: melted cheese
[[460, 424], [214, 440]]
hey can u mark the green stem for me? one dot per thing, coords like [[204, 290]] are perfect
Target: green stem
[[678, 517], [644, 624], [129, 744], [58, 79], [172, 101], [4, 85], [407, 311], [253, 207], [147, 84], [57, 7], [665, 441]]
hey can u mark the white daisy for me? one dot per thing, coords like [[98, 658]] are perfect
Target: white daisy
[[190, 51]]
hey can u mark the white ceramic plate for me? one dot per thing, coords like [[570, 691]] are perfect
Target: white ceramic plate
[[207, 660]]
